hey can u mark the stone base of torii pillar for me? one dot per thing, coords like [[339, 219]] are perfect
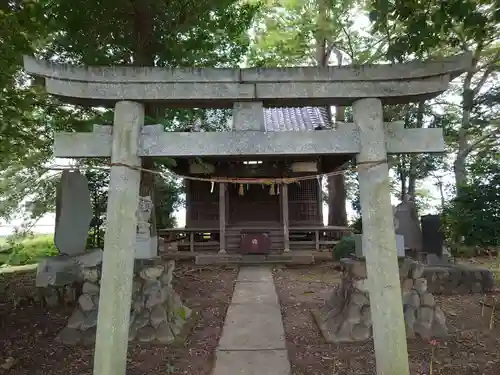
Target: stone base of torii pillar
[[346, 315], [157, 313]]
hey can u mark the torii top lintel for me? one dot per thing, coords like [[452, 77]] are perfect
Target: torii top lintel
[[221, 87]]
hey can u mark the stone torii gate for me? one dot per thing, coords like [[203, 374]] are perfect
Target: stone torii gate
[[366, 88]]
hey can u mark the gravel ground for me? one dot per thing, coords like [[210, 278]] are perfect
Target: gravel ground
[[473, 350], [27, 344]]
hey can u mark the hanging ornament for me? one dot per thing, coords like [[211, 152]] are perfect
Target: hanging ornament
[[212, 187], [272, 190], [241, 190]]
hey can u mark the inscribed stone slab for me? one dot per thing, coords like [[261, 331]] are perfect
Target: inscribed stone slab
[[407, 224], [256, 292], [75, 213], [265, 362], [253, 326]]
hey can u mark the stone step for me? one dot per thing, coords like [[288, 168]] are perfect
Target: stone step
[[206, 259]]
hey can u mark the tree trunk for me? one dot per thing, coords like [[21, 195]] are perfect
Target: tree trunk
[[144, 55], [337, 213], [402, 177], [412, 173], [459, 165]]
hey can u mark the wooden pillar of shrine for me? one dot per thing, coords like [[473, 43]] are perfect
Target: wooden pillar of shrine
[[222, 217], [285, 216]]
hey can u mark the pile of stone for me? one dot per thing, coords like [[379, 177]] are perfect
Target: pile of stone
[[346, 315], [157, 312], [59, 278], [448, 278]]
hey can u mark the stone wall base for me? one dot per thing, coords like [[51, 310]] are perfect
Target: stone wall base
[[157, 312], [452, 279], [346, 315]]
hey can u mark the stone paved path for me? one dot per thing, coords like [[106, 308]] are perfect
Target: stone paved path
[[253, 338]]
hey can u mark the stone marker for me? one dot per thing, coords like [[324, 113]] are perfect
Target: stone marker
[[74, 213], [432, 237], [406, 224]]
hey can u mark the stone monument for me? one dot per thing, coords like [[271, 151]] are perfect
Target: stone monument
[[73, 216], [407, 224], [74, 213]]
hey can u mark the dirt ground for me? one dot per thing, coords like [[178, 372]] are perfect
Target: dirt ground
[[474, 349], [27, 333]]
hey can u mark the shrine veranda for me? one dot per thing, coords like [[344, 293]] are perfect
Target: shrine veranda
[[247, 91]]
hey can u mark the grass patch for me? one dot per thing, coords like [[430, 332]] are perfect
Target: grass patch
[[27, 250]]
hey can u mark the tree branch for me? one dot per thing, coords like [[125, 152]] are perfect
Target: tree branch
[[466, 151], [486, 74], [349, 43]]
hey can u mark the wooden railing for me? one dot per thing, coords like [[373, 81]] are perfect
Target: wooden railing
[[202, 237], [317, 236]]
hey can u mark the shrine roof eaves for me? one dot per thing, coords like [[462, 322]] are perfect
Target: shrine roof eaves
[[296, 118]]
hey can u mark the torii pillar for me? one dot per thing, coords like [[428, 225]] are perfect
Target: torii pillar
[[119, 241], [379, 240]]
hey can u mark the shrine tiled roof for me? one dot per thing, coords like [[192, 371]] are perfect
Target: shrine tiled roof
[[296, 118]]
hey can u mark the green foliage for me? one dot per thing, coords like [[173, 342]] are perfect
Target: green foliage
[[357, 225], [155, 33], [430, 24], [344, 248], [167, 200], [27, 249], [435, 29], [474, 215], [464, 251], [98, 181], [294, 32]]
